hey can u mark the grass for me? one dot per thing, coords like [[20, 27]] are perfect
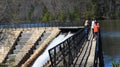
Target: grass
[[115, 64]]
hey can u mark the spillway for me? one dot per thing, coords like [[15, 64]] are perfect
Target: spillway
[[44, 57]]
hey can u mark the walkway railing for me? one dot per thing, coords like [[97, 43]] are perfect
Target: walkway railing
[[64, 53], [42, 24], [98, 54]]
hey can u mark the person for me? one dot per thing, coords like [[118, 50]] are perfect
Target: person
[[92, 25], [86, 29], [96, 29]]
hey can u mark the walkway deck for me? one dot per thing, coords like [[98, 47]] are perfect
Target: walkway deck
[[86, 55]]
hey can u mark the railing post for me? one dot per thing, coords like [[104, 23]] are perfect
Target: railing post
[[54, 57], [64, 61], [70, 59], [50, 58], [101, 64]]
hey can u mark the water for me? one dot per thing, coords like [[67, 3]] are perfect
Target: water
[[40, 24], [42, 59], [110, 41]]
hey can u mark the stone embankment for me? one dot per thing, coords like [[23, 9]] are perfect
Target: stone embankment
[[8, 43], [24, 45], [54, 33]]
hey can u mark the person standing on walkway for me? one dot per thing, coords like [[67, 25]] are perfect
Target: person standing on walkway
[[86, 29], [96, 29], [92, 25]]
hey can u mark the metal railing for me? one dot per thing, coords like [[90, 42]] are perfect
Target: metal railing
[[98, 54], [42, 24], [64, 53]]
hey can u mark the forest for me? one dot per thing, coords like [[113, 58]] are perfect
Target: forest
[[24, 11]]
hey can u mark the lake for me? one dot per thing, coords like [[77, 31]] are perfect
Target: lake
[[110, 32]]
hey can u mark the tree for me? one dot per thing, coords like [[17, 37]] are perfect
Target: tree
[[30, 14]]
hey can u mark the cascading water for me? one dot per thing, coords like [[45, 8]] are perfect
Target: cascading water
[[44, 57]]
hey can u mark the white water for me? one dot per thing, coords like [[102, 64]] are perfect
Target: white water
[[43, 58]]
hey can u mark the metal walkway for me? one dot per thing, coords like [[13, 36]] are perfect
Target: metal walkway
[[76, 51], [85, 57]]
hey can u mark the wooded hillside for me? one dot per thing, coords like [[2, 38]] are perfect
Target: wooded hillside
[[14, 11]]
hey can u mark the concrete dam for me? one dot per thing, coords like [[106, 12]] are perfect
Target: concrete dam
[[21, 47]]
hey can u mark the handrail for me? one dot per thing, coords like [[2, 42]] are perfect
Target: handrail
[[98, 53], [66, 51]]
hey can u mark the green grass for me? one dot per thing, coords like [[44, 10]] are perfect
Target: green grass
[[115, 64]]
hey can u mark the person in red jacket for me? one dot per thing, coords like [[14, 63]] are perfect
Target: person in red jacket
[[96, 30]]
